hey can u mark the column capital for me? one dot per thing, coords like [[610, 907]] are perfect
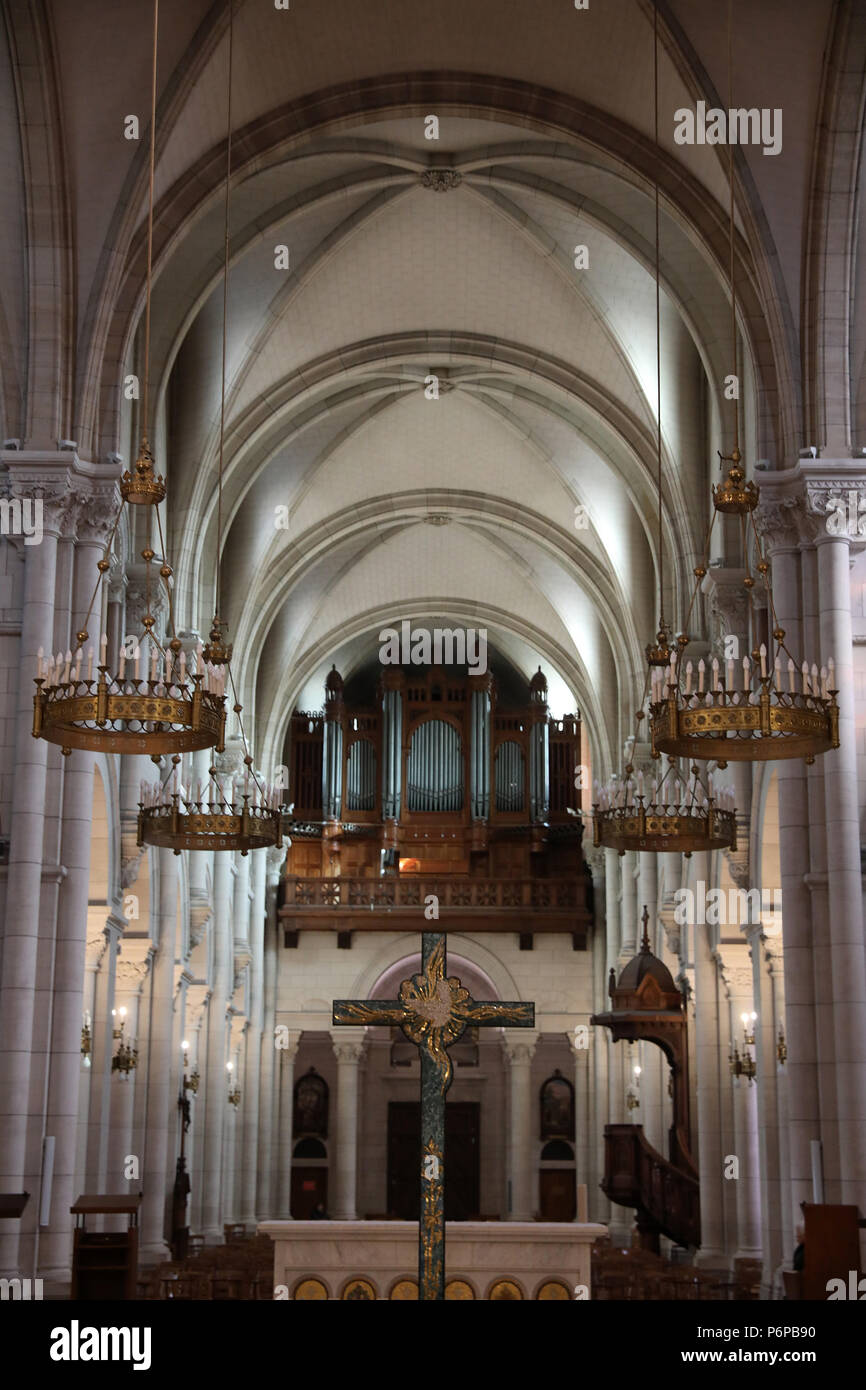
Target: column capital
[[348, 1044], [728, 601], [519, 1045]]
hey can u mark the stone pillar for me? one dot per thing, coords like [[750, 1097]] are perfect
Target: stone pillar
[[253, 1049], [131, 974], [707, 1048], [583, 1148], [269, 1097], [214, 1077], [156, 1175], [106, 1018], [520, 1048], [747, 1188], [845, 918], [348, 1051], [24, 880], [768, 1119], [539, 750], [599, 1038], [97, 510], [630, 909], [285, 1119]]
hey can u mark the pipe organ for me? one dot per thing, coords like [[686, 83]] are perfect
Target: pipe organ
[[436, 780]]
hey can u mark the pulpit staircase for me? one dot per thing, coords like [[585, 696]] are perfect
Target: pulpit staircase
[[666, 1197]]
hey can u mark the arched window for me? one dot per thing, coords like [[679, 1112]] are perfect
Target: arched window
[[310, 1148], [557, 1108], [509, 776], [435, 771], [311, 1105], [361, 776], [557, 1150]]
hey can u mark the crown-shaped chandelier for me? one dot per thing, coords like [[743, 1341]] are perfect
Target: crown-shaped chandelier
[[163, 704], [671, 814], [769, 705], [227, 812]]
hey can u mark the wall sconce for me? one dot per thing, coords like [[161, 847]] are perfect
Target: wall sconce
[[749, 1037], [125, 1058], [86, 1040], [190, 1083], [742, 1066], [234, 1094], [781, 1046], [631, 1099]]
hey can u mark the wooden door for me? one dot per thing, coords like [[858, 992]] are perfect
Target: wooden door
[[558, 1194], [462, 1170], [309, 1187]]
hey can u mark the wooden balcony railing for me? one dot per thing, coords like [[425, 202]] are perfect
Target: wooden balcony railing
[[479, 904], [636, 1175]]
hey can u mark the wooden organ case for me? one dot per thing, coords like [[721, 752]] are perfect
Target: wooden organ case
[[436, 790]]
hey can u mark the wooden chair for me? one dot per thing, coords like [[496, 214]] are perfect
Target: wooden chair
[[229, 1285]]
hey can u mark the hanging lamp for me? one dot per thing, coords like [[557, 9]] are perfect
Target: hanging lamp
[[154, 701], [226, 813], [769, 705], [672, 814]]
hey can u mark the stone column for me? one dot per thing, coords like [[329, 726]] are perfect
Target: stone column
[[630, 909], [707, 1047], [768, 1120], [105, 1020], [845, 919], [582, 1127], [285, 1117], [131, 974], [253, 1049], [480, 762], [269, 1101], [24, 881], [159, 1121], [214, 1076], [599, 1038], [96, 514], [520, 1048], [348, 1051], [747, 1188]]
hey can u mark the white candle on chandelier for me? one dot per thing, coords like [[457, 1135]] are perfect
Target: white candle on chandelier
[[40, 663], [729, 674], [790, 675], [831, 674], [689, 669], [77, 673], [702, 669], [805, 675], [122, 662], [183, 667], [168, 655], [67, 666], [154, 660], [103, 649], [640, 784], [763, 658], [815, 686], [777, 672], [136, 656], [715, 673], [747, 673], [89, 663]]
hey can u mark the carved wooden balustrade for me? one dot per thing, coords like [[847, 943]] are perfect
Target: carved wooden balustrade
[[666, 1198], [464, 903]]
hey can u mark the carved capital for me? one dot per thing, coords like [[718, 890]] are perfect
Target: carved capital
[[131, 974], [519, 1047], [349, 1052]]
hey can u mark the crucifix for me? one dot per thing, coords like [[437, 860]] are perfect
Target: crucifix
[[433, 1010]]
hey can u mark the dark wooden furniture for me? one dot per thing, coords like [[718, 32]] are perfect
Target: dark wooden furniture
[[832, 1248], [12, 1204], [105, 1263]]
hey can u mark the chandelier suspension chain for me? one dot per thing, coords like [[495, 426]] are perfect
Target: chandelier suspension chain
[[658, 320], [225, 307], [736, 449], [145, 401]]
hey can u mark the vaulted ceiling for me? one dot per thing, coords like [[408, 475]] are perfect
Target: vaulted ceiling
[[354, 494]]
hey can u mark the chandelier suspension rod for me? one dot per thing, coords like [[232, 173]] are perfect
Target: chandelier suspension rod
[[658, 320], [145, 400], [225, 307], [736, 449]]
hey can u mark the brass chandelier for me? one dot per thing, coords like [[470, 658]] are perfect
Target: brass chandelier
[[164, 704], [226, 813], [769, 706], [672, 814]]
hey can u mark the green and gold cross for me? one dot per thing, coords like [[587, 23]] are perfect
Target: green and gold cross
[[433, 1009]]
